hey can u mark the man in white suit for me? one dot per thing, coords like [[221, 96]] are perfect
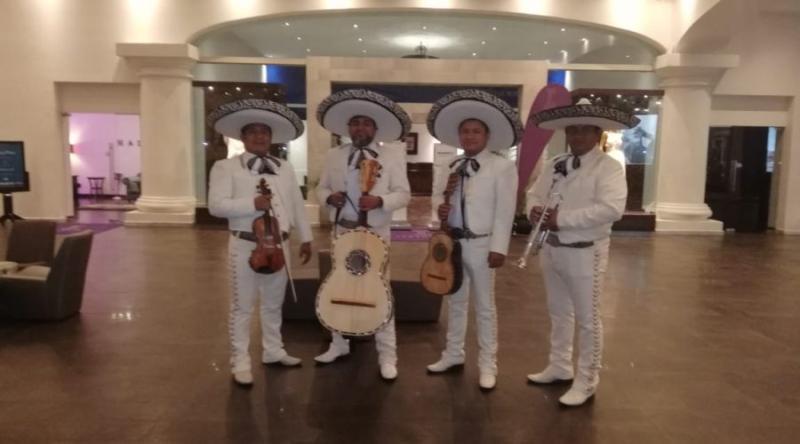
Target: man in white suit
[[480, 213], [573, 260], [368, 118], [234, 194]]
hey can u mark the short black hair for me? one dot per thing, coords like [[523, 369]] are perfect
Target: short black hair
[[374, 123], [474, 119], [251, 125]]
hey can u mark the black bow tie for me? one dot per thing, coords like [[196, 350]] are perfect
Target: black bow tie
[[360, 150], [463, 165], [560, 167], [265, 166]]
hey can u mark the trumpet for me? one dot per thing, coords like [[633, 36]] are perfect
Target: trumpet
[[538, 236]]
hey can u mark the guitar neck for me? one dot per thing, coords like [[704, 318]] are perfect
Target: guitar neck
[[362, 215]]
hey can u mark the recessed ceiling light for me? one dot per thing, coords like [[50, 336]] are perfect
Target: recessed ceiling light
[[529, 54], [308, 49], [424, 28], [627, 56], [360, 39], [211, 88], [474, 54], [619, 96], [645, 96], [563, 29], [238, 88], [545, 42], [299, 38], [363, 51], [355, 25], [286, 24], [483, 42], [494, 28]]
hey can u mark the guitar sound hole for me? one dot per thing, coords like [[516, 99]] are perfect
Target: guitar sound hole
[[357, 262], [439, 252]]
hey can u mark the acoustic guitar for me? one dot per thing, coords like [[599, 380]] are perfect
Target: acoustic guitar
[[355, 298], [441, 272]]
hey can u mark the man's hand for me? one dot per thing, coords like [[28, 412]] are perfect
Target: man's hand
[[337, 199], [536, 213], [551, 222], [496, 260], [444, 211], [262, 201], [366, 203], [305, 252]]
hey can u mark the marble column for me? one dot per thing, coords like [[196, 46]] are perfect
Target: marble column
[[164, 70], [682, 151]]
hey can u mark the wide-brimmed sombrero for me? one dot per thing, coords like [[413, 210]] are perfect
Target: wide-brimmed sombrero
[[335, 112], [228, 119], [585, 113], [448, 112]]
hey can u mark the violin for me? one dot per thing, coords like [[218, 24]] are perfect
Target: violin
[[267, 257]]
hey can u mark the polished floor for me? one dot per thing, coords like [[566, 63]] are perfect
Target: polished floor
[[702, 345]]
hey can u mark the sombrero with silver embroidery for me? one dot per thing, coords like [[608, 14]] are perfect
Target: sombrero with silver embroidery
[[230, 118], [448, 112], [335, 112], [585, 113]]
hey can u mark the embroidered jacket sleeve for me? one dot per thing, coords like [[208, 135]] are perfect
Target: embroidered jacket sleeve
[[221, 199], [505, 206], [399, 190], [608, 202]]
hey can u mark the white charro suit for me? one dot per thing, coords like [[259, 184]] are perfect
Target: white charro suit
[[490, 201], [592, 197], [392, 187], [232, 189]]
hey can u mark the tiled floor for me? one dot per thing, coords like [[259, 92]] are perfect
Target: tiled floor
[[702, 339]]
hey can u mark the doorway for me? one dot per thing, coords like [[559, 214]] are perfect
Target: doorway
[[739, 176]]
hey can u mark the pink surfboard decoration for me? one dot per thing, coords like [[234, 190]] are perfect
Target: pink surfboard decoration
[[534, 139]]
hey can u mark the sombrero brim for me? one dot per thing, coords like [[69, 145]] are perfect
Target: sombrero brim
[[229, 119], [601, 116], [335, 112], [448, 113]]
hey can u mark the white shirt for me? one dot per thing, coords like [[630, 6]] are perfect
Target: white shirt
[[490, 197], [392, 185], [592, 196], [233, 188]]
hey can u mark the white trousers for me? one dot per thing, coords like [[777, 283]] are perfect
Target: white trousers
[[247, 287], [573, 278], [385, 338], [478, 282]]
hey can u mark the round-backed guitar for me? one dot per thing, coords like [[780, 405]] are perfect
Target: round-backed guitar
[[355, 298], [441, 272]]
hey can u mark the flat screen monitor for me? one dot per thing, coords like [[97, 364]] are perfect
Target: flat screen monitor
[[13, 176]]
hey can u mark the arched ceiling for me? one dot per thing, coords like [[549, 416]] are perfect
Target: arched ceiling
[[449, 35]]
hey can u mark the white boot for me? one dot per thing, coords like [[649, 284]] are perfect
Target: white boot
[[334, 351], [550, 375], [388, 372], [577, 395], [243, 377], [487, 381], [444, 365], [286, 361]]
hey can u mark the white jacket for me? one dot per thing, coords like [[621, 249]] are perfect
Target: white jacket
[[392, 185], [592, 197], [490, 196], [232, 188]]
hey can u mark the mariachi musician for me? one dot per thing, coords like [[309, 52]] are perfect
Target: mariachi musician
[[480, 213], [593, 191], [234, 194], [368, 119]]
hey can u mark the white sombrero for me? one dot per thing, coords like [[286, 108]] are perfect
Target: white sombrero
[[335, 112], [230, 118], [584, 113], [448, 112]]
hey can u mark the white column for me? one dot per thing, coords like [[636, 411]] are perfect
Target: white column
[[788, 212], [168, 194], [682, 152]]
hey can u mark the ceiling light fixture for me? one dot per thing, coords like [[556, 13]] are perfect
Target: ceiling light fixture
[[299, 38], [355, 25], [286, 24]]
